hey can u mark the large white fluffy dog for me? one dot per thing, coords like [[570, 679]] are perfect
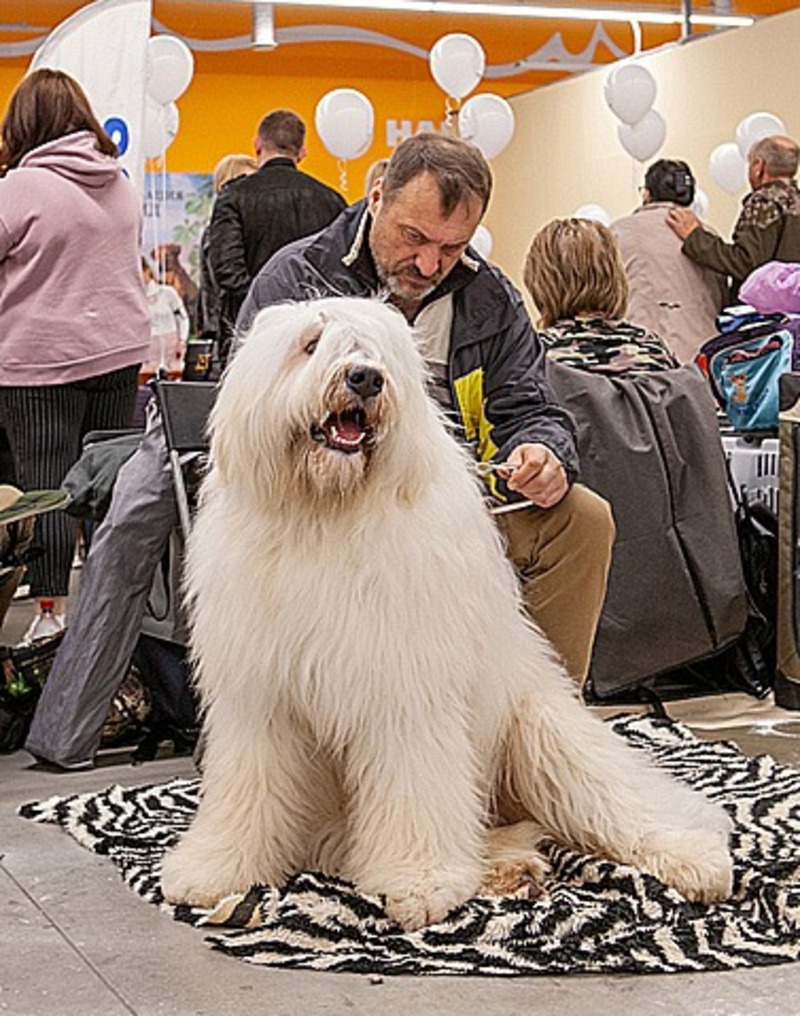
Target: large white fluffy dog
[[376, 703]]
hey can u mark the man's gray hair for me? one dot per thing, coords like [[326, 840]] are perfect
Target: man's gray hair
[[458, 167], [780, 154]]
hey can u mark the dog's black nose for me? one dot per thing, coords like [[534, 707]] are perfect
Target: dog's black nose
[[364, 381]]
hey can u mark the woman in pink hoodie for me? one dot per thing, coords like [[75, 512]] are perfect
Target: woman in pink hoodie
[[74, 323]]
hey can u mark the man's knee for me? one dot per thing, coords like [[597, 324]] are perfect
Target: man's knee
[[590, 517], [579, 527]]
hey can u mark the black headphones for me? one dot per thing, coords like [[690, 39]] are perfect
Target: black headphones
[[670, 180], [682, 186]]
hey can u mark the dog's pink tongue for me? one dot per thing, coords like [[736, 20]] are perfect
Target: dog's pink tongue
[[347, 428]]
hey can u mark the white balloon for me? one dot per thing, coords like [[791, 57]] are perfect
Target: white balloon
[[592, 212], [170, 66], [630, 92], [345, 121], [700, 204], [643, 139], [160, 127], [755, 127], [482, 242], [487, 121], [727, 167], [457, 63]]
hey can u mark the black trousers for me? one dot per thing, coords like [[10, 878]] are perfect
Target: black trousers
[[46, 426]]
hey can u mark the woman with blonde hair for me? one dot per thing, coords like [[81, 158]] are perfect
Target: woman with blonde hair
[[575, 276], [231, 167]]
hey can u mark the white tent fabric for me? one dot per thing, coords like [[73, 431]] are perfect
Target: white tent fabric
[[104, 47]]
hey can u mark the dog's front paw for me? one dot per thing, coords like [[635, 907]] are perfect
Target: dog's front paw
[[425, 901], [187, 876], [698, 865], [516, 878]]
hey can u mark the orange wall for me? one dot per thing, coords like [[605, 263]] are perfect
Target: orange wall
[[219, 114]]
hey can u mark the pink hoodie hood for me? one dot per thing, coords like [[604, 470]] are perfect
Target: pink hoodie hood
[[75, 157], [72, 301]]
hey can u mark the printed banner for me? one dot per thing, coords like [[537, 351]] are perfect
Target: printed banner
[[177, 207]]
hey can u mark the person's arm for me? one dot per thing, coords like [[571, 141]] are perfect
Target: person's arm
[[530, 428], [755, 237], [226, 250]]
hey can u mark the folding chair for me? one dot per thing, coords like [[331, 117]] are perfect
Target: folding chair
[[185, 406]]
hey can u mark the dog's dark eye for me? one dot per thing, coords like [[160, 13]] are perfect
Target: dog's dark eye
[[311, 346]]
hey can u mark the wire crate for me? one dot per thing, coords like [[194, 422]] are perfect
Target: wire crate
[[755, 466]]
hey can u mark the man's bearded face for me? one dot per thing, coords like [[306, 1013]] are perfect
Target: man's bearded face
[[414, 245]]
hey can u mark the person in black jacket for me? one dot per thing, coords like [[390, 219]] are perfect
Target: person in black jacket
[[254, 216], [229, 168]]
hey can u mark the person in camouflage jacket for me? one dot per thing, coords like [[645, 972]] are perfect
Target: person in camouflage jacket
[[768, 227]]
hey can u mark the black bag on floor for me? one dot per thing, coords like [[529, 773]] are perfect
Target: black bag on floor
[[125, 724], [173, 716], [23, 671]]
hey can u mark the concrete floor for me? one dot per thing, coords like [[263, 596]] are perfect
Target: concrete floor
[[74, 941]]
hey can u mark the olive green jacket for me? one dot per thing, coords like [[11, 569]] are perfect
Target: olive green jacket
[[768, 229]]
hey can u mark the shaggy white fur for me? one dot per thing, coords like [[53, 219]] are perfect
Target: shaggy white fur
[[377, 705]]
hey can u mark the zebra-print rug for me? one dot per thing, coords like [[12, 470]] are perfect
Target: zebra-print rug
[[592, 917]]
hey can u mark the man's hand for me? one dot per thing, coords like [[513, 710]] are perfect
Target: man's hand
[[538, 476], [682, 221]]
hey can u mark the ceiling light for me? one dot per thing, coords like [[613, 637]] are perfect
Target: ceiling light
[[651, 16], [263, 26]]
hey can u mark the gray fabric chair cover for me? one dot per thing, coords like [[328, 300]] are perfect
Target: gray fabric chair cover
[[650, 444]]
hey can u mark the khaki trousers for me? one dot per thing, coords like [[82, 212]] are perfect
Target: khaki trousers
[[562, 555]]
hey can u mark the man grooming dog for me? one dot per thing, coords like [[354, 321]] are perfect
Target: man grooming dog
[[357, 718], [408, 241]]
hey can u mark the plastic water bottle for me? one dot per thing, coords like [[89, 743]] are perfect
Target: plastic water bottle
[[44, 625], [48, 623]]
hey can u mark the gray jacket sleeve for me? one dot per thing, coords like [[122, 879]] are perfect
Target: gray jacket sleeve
[[286, 278]]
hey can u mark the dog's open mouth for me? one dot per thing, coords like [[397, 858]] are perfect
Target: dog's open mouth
[[346, 431]]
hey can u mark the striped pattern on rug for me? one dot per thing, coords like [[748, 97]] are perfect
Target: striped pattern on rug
[[594, 916]]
